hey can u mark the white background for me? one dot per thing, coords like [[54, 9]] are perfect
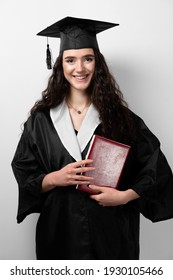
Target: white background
[[139, 54]]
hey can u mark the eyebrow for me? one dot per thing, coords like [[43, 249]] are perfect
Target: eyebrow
[[71, 56]]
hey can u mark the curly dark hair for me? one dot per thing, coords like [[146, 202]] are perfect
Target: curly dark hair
[[105, 95]]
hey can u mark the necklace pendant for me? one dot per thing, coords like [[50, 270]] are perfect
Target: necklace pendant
[[79, 112]]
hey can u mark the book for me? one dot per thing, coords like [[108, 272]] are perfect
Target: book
[[109, 158]]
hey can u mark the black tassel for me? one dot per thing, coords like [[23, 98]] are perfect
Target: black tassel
[[48, 58]]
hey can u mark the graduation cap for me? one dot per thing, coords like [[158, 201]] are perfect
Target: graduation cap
[[75, 33]]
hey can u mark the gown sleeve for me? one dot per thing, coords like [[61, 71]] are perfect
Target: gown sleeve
[[154, 182], [29, 174]]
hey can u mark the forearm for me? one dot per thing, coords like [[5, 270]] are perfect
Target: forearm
[[113, 197], [48, 183], [130, 195]]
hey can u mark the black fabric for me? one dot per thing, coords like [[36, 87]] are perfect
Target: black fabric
[[76, 33], [71, 225]]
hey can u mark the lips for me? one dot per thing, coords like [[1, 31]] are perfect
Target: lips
[[81, 77]]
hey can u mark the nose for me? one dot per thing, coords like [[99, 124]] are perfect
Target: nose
[[80, 66]]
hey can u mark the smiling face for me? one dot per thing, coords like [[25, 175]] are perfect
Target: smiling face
[[78, 67]]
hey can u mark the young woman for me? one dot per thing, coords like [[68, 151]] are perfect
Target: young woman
[[82, 98]]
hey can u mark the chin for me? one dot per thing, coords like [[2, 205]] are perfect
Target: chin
[[81, 87]]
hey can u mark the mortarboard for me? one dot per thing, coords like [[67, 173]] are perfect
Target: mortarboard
[[75, 33]]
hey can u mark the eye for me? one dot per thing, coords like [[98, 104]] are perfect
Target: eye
[[70, 60], [89, 58]]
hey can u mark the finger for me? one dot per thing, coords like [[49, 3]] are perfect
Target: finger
[[76, 182], [82, 183], [102, 204], [97, 188], [81, 162], [84, 169], [86, 161], [82, 178], [95, 196]]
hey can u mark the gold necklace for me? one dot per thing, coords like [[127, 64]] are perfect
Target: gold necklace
[[77, 110]]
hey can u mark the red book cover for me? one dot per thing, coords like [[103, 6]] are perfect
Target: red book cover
[[109, 158]]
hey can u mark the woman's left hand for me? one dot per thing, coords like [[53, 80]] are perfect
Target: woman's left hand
[[112, 197]]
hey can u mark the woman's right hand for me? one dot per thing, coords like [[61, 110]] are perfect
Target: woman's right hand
[[71, 174]]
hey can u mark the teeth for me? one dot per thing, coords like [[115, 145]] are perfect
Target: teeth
[[80, 77]]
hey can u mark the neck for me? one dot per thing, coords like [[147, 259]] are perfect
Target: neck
[[78, 99], [78, 103]]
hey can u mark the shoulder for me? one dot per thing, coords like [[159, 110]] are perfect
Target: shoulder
[[137, 120], [143, 132], [36, 120]]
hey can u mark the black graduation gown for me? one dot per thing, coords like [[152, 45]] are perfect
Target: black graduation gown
[[73, 226]]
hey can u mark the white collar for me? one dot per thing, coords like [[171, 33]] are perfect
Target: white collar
[[61, 119]]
